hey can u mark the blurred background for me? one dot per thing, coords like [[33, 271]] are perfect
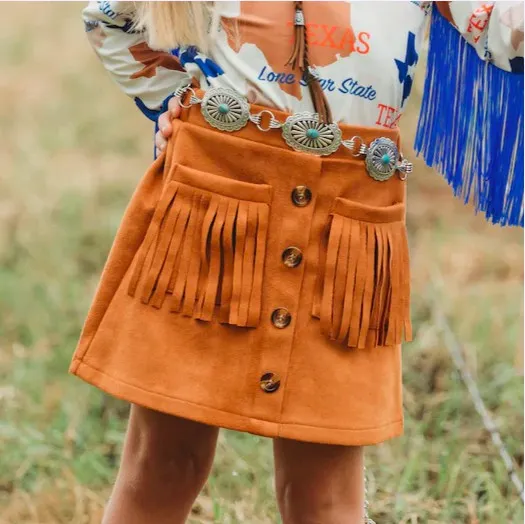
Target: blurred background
[[72, 149]]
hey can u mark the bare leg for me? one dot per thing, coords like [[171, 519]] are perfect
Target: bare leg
[[165, 463], [318, 483]]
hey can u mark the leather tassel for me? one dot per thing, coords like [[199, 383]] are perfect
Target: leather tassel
[[319, 100], [299, 59], [296, 59]]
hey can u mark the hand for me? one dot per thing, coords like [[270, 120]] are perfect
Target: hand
[[165, 127]]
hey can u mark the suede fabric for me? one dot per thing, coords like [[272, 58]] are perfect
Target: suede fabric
[[182, 319]]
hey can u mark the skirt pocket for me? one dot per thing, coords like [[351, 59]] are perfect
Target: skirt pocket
[[362, 295], [205, 247]]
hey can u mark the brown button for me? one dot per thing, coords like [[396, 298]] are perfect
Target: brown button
[[270, 382], [301, 196], [281, 317], [292, 256]]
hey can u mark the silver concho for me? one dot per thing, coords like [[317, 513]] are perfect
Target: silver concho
[[381, 159], [225, 109], [304, 132]]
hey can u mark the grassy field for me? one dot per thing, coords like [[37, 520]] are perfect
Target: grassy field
[[72, 149]]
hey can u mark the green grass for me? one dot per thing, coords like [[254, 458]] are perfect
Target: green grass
[[73, 148]]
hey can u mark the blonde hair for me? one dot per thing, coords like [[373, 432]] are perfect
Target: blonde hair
[[172, 24]]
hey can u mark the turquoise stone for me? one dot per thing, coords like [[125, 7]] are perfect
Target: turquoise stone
[[312, 133], [385, 159], [223, 109]]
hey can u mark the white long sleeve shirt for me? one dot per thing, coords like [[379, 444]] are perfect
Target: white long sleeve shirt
[[365, 53]]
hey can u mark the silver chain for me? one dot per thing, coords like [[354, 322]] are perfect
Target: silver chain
[[273, 124], [355, 145]]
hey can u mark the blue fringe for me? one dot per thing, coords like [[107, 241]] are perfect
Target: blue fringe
[[471, 125]]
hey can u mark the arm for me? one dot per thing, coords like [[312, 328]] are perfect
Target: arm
[[494, 29], [146, 75]]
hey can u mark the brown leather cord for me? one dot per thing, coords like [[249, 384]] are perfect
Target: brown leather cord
[[299, 58]]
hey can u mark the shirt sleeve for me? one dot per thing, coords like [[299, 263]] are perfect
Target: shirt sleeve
[[494, 29], [148, 76]]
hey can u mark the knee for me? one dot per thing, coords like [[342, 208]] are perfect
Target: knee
[[316, 506], [160, 460]]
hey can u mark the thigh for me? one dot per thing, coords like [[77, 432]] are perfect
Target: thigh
[[319, 482], [167, 427]]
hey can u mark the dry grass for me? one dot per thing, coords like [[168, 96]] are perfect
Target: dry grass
[[72, 150]]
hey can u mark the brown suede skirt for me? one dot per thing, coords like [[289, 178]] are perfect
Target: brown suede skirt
[[257, 288]]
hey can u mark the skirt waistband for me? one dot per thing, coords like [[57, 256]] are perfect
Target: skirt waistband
[[270, 126]]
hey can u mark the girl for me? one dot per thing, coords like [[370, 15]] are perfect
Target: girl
[[259, 279]]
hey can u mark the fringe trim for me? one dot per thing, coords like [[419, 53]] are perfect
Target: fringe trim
[[364, 284], [471, 125], [207, 251]]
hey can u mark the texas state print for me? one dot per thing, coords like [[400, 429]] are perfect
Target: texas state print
[[269, 26]]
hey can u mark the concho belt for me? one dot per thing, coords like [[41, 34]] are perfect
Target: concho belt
[[227, 110]]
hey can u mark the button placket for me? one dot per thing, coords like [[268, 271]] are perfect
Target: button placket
[[289, 237], [291, 257]]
